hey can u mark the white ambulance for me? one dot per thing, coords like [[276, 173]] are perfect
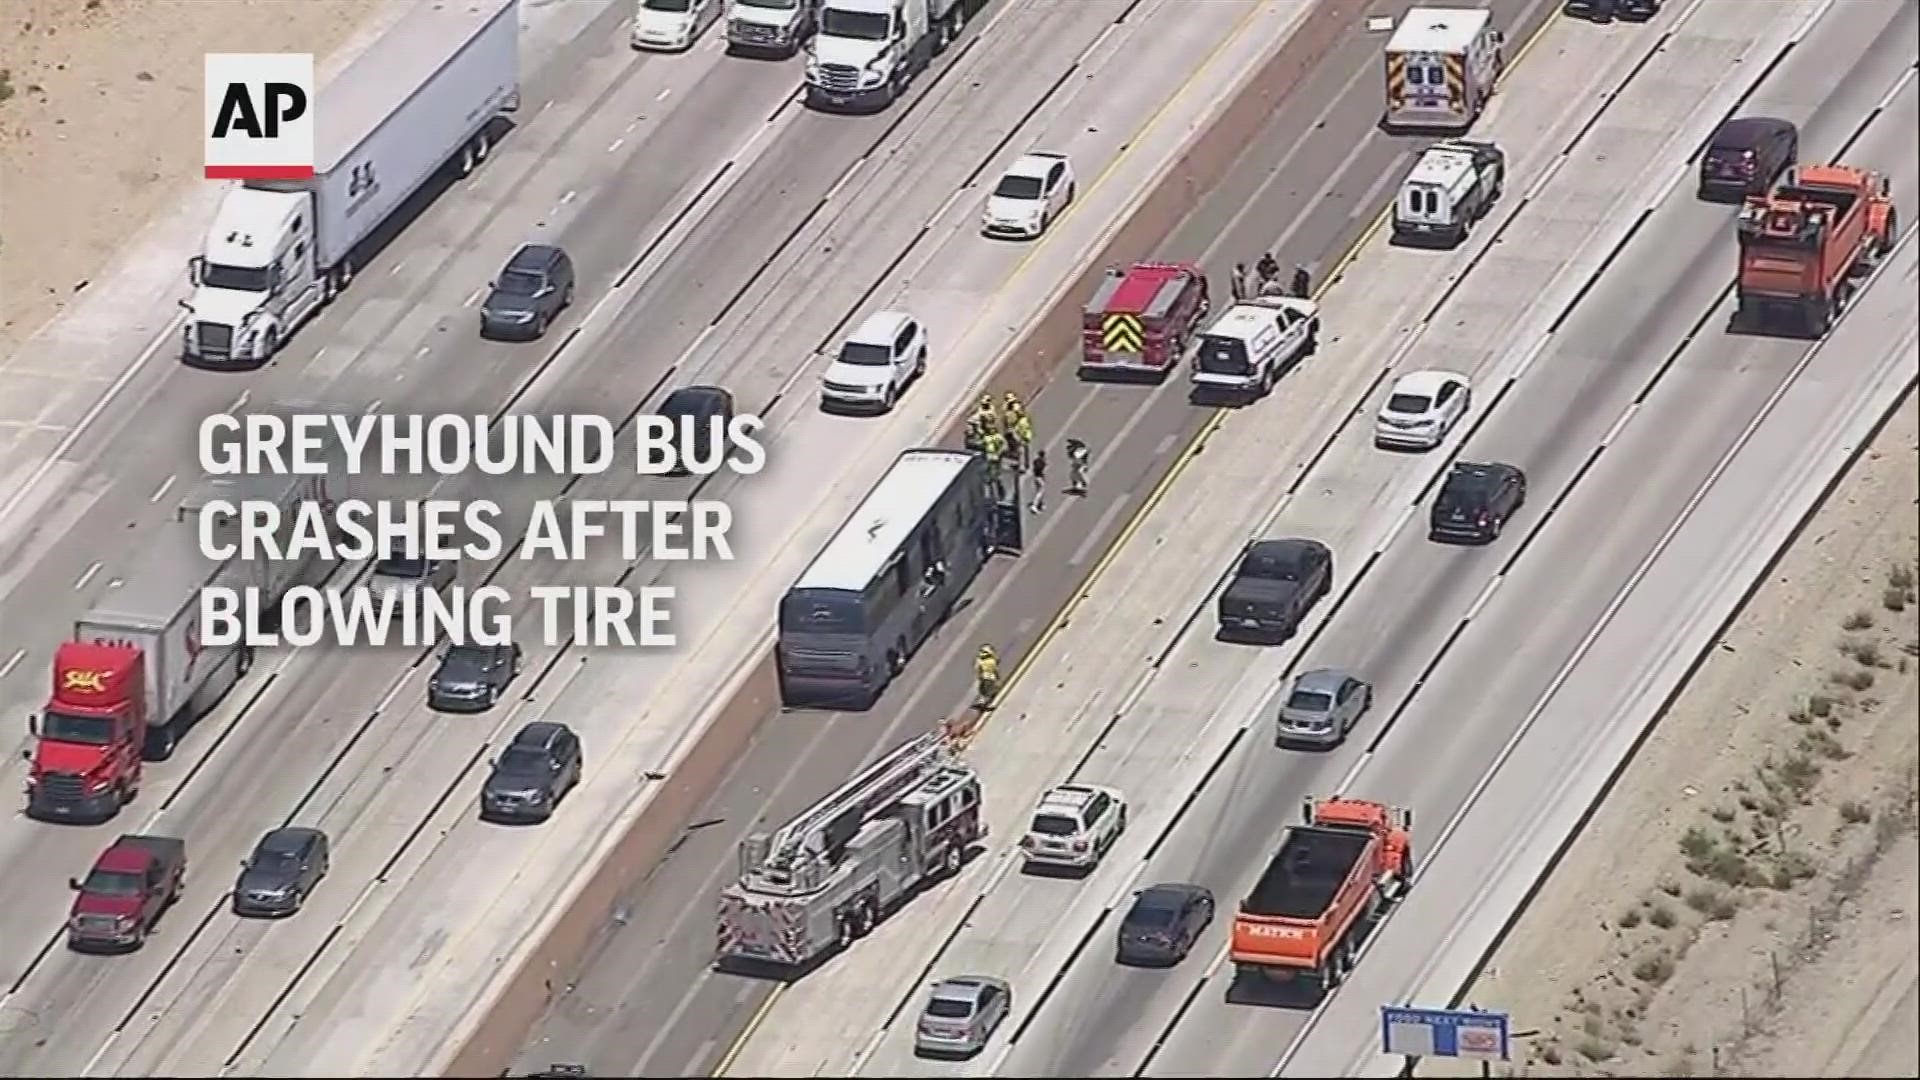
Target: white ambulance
[[1442, 66]]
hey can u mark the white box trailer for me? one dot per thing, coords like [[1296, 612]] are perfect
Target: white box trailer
[[156, 610], [426, 94], [273, 577]]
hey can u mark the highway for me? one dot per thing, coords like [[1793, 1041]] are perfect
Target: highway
[[1404, 625], [615, 1016], [720, 244]]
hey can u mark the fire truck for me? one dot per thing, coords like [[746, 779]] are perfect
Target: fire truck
[[827, 877], [1805, 247], [1334, 875], [1140, 319]]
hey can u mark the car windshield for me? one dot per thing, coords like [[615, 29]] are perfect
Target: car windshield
[[66, 728], [237, 278], [468, 657], [523, 760], [1310, 701], [1152, 914], [865, 355], [519, 283], [776, 5], [401, 568], [1464, 494], [1018, 187], [666, 5], [1270, 565], [1409, 403], [113, 883], [949, 1008], [1055, 825], [860, 25], [275, 859]]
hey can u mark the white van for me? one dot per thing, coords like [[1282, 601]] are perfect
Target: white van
[[1451, 187], [1442, 66]]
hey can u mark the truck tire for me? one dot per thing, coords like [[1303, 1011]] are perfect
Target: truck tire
[[1883, 246], [161, 741]]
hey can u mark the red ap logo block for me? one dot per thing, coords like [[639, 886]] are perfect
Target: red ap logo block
[[259, 116]]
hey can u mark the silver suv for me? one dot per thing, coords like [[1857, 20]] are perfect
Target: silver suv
[[961, 1015], [1073, 826]]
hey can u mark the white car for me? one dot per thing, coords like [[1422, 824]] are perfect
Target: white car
[[1423, 407], [877, 362], [1031, 193], [671, 25], [1074, 826]]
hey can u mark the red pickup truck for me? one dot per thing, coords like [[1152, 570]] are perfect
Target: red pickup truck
[[131, 885]]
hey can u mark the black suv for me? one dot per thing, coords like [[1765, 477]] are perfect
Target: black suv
[[283, 869], [1475, 502], [700, 407], [537, 770], [471, 678], [1745, 156], [531, 291], [1276, 583]]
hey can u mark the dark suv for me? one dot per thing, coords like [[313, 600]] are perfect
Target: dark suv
[[471, 678], [535, 772], [1475, 502], [1608, 10], [694, 410], [1745, 156], [532, 290]]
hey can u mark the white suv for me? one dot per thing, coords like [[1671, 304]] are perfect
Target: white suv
[[1073, 826], [876, 362]]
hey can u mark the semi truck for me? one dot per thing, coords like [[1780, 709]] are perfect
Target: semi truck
[[1806, 246], [1333, 876], [428, 93], [131, 885], [136, 673], [866, 52], [827, 877]]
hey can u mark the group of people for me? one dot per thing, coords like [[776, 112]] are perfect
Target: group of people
[[1264, 280], [1003, 432]]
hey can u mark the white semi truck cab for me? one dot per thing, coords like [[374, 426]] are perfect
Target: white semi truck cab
[[867, 52], [777, 28], [256, 280]]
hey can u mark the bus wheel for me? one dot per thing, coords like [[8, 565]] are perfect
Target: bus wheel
[[895, 662]]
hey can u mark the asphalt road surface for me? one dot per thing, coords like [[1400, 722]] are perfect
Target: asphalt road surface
[[1310, 183]]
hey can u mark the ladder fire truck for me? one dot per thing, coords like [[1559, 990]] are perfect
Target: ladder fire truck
[[826, 877]]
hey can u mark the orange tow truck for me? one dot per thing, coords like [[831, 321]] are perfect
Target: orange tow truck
[[1140, 320], [1805, 247], [1332, 877]]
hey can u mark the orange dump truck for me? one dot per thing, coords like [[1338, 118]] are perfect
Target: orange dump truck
[[1805, 247], [1332, 877]]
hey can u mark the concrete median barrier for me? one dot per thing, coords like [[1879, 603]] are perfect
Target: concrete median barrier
[[493, 1037]]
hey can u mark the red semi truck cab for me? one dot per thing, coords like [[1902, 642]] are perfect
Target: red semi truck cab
[[85, 762]]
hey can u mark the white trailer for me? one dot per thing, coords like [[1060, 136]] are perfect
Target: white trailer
[[426, 93], [156, 610], [273, 577], [867, 52]]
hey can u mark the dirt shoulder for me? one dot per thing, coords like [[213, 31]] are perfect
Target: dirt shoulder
[[100, 113], [1744, 901]]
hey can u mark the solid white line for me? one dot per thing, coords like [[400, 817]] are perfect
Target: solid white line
[[88, 576], [161, 491], [842, 182], [1619, 425], [1486, 593], [12, 662], [1905, 78]]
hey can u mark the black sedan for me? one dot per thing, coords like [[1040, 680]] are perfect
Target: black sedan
[[284, 868], [1163, 924], [471, 678]]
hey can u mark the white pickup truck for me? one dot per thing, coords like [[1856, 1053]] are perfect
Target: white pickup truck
[[1253, 343]]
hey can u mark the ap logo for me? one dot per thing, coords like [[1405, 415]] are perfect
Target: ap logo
[[259, 116]]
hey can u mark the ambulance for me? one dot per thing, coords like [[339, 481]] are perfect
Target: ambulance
[[1442, 66]]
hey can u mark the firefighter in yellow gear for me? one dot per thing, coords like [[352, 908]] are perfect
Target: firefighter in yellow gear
[[994, 445], [986, 675], [986, 413]]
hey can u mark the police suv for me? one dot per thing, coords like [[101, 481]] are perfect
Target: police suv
[[1451, 187]]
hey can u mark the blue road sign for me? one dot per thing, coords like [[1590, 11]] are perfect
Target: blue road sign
[[1444, 1033]]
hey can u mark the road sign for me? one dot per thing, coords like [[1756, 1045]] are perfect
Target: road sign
[[1445, 1033]]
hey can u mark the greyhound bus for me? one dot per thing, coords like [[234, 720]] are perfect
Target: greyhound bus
[[885, 581]]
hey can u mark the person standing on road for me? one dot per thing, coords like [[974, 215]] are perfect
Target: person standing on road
[[986, 676], [1268, 268], [1242, 279], [1302, 282], [1039, 481], [1076, 467]]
